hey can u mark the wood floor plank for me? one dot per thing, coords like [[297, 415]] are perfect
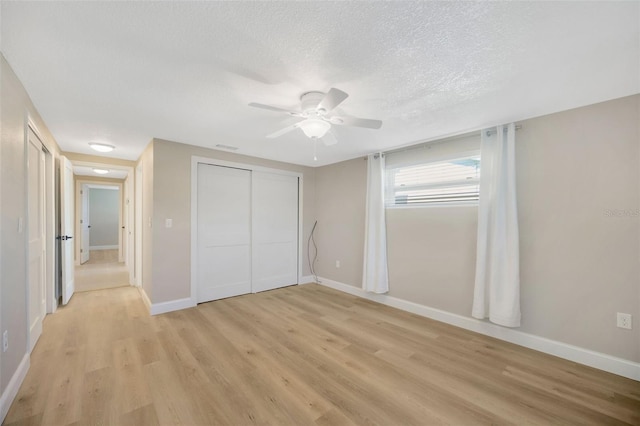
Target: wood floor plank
[[366, 384], [301, 355], [142, 416], [132, 390], [249, 343], [64, 400], [98, 397]]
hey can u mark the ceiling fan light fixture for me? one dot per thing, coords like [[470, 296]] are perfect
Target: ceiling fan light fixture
[[101, 147], [314, 128]]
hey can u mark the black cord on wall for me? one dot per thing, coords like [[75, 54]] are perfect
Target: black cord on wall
[[310, 241]]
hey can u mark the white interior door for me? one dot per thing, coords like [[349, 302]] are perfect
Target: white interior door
[[274, 230], [66, 228], [224, 232], [85, 226], [36, 230]]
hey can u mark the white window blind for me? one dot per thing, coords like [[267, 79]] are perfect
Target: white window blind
[[455, 180], [443, 172]]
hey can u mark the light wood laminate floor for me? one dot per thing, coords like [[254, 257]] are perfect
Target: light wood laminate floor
[[303, 355], [101, 271]]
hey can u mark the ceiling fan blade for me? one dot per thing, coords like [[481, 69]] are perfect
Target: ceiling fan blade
[[329, 139], [272, 108], [332, 99], [356, 122], [283, 131]]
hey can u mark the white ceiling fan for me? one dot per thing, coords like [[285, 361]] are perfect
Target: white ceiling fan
[[316, 108]]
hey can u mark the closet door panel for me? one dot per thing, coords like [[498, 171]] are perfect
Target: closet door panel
[[274, 230], [224, 232]]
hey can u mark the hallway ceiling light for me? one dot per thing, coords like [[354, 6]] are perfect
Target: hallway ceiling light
[[101, 147], [101, 171]]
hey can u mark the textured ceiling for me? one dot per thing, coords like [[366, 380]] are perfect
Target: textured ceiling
[[125, 72]]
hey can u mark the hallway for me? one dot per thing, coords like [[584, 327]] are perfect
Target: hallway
[[102, 271]]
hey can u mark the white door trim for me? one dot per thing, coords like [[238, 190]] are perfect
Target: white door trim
[[137, 264], [81, 181], [34, 331], [51, 217], [195, 160], [129, 224]]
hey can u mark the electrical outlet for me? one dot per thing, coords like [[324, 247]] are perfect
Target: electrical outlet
[[624, 320], [337, 263], [5, 341]]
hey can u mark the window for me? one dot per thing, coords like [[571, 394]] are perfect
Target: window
[[455, 180]]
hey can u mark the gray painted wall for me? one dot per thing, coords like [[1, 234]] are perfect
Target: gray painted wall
[[579, 264], [104, 216], [169, 249]]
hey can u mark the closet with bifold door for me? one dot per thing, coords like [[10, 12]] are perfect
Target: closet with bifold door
[[247, 230]]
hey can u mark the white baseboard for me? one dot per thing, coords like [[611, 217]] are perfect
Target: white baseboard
[[164, 307], [611, 364], [171, 305], [11, 391], [145, 298], [103, 247], [307, 279]]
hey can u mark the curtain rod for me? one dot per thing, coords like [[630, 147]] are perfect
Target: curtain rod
[[445, 139]]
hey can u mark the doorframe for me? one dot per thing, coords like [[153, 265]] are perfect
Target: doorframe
[[137, 264], [50, 231], [195, 160], [80, 181], [129, 225], [49, 245], [129, 235], [42, 216]]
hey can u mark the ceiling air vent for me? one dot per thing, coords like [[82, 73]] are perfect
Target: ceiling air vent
[[229, 147]]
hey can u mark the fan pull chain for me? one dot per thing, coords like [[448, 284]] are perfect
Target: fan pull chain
[[315, 149]]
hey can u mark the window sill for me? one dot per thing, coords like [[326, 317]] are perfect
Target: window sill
[[435, 205]]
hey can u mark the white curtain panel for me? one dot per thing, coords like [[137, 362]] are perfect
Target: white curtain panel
[[375, 276], [497, 285]]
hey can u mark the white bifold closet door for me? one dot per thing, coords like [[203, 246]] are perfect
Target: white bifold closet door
[[274, 230], [247, 238], [224, 232]]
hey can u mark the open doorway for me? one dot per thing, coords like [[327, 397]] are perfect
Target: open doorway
[[102, 229], [101, 261], [100, 218]]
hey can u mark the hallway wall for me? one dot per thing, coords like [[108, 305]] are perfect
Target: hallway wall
[[104, 215], [15, 108]]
